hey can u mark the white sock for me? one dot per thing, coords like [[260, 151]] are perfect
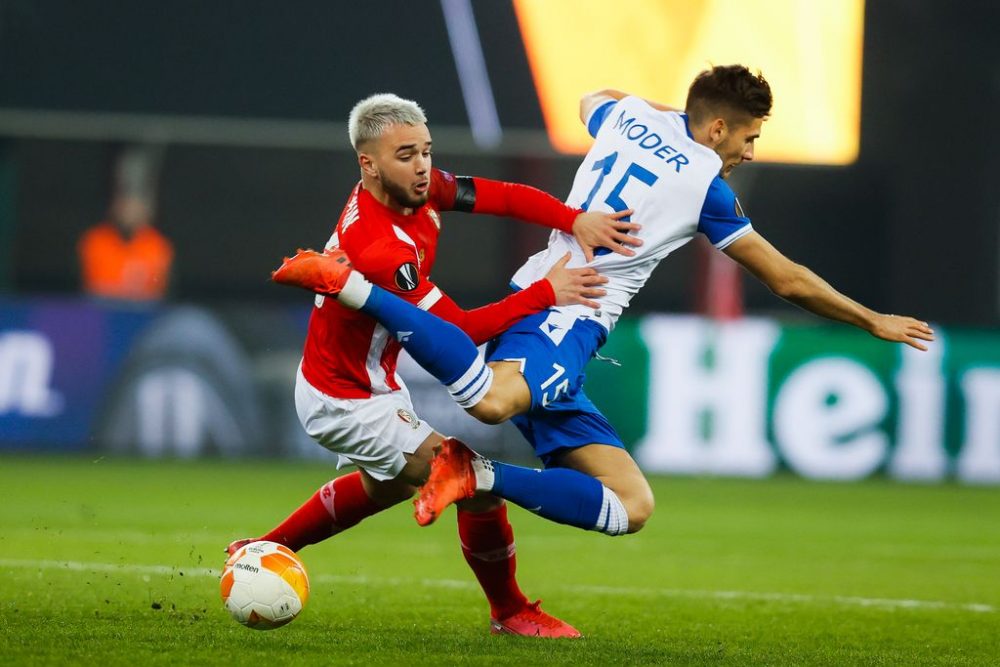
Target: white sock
[[483, 468], [473, 385], [356, 291], [612, 519]]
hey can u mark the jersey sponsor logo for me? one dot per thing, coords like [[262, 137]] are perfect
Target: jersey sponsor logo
[[409, 418], [738, 208], [406, 277]]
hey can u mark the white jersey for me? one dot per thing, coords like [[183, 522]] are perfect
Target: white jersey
[[645, 160]]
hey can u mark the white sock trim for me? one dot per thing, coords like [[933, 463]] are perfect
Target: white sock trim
[[356, 291], [473, 385], [485, 477], [468, 375], [502, 553], [613, 519], [327, 498]]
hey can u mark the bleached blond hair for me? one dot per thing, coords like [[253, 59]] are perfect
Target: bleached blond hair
[[371, 116]]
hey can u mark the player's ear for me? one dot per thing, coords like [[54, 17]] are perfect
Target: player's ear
[[367, 165], [717, 131]]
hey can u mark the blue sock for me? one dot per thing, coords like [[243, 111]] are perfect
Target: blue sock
[[441, 348], [558, 494]]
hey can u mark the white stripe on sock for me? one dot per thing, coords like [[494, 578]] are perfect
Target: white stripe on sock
[[468, 375], [477, 393], [612, 519], [473, 385]]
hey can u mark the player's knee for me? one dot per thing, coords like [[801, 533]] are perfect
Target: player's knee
[[491, 410], [418, 463], [395, 495], [413, 474], [639, 509], [386, 493], [507, 396]]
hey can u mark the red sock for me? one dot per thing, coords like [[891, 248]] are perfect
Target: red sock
[[338, 505], [488, 546]]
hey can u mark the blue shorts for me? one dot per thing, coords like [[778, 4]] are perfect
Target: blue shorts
[[553, 347]]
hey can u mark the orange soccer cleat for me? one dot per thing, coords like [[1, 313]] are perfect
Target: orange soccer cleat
[[320, 272], [451, 478], [533, 622]]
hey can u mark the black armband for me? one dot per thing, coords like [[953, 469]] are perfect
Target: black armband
[[465, 194]]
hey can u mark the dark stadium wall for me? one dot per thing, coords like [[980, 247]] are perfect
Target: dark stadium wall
[[911, 227], [8, 214], [63, 188], [932, 97], [262, 60]]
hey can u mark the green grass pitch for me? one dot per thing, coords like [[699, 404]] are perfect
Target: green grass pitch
[[115, 562]]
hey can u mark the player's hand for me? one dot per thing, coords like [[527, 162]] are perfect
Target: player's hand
[[902, 329], [593, 230], [575, 286]]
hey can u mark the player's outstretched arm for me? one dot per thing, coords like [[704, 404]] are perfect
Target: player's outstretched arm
[[591, 101], [797, 284], [560, 287], [592, 230]]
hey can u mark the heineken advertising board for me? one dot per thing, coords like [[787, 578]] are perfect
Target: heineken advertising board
[[825, 401], [690, 396]]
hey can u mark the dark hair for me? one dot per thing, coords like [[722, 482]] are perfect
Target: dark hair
[[729, 92]]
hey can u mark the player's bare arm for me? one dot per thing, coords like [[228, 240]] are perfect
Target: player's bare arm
[[591, 101], [591, 229], [799, 285]]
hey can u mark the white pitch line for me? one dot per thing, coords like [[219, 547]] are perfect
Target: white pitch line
[[846, 600], [129, 568]]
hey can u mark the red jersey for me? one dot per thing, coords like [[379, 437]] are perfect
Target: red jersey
[[350, 355]]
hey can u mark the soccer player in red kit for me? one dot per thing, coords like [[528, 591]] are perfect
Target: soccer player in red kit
[[348, 395]]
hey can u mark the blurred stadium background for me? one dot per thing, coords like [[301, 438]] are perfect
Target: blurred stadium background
[[139, 436], [878, 170]]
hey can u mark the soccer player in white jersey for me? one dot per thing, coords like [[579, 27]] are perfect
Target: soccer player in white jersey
[[347, 393], [669, 169]]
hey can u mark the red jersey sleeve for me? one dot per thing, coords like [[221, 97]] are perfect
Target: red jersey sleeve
[[444, 190], [487, 322], [391, 264], [482, 195]]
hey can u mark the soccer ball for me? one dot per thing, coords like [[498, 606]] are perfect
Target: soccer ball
[[264, 585]]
